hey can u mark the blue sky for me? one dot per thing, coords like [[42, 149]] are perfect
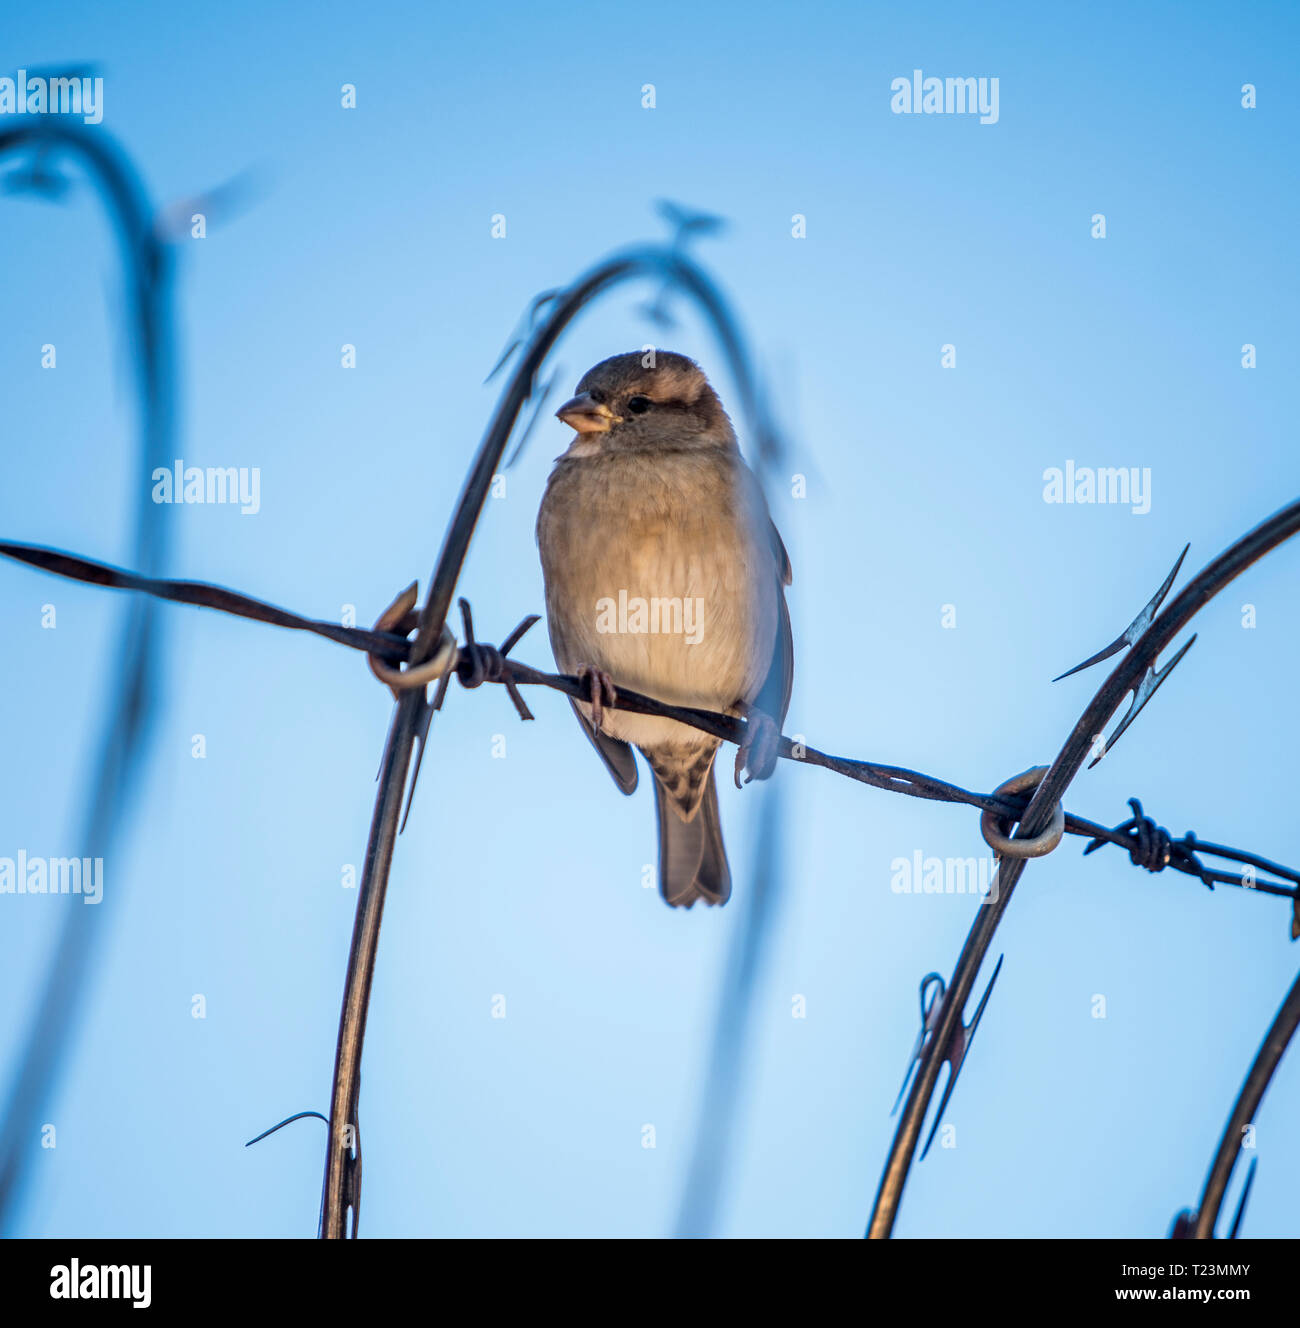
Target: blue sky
[[522, 876]]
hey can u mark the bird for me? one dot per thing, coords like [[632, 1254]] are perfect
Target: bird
[[665, 574]]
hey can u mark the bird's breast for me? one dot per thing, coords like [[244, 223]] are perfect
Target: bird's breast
[[654, 574]]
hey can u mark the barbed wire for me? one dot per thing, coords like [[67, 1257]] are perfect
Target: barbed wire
[[411, 647], [672, 267], [1200, 1224], [130, 696], [1148, 845], [1136, 676]]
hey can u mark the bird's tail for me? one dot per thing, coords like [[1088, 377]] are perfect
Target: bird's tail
[[692, 860]]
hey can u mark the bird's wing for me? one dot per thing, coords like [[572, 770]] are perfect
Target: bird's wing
[[774, 696], [616, 755], [782, 557]]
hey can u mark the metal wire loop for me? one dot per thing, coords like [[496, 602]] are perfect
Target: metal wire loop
[[1039, 845], [398, 679]]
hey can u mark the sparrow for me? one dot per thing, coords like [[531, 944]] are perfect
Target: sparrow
[[664, 574]]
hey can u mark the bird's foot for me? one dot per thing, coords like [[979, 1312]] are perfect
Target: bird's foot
[[757, 755], [600, 691]]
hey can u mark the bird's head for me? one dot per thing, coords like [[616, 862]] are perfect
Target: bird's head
[[646, 399]]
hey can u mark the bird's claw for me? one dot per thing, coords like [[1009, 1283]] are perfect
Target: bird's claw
[[600, 690], [756, 757]]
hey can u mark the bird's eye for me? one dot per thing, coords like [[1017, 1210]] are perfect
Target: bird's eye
[[639, 405], [597, 396]]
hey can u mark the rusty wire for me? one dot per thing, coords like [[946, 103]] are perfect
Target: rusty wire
[[671, 266], [477, 663], [129, 704], [1200, 1224], [1148, 845], [1136, 675], [948, 1039]]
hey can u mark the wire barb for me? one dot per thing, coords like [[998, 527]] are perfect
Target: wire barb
[[480, 662], [541, 395], [963, 1035], [1151, 845], [1184, 1227], [1241, 1203], [523, 330], [476, 663], [288, 1120], [932, 993], [1151, 680], [687, 225], [1142, 693], [1134, 630], [1153, 848]]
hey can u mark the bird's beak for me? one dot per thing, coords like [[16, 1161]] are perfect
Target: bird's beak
[[585, 415]]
